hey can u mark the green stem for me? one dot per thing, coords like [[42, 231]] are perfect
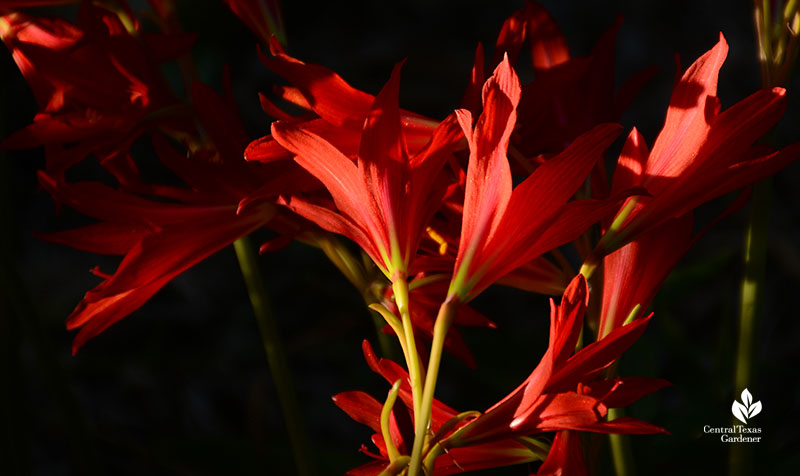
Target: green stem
[[423, 419], [589, 266], [276, 355], [386, 415], [752, 296], [400, 288], [396, 325], [620, 445], [384, 339]]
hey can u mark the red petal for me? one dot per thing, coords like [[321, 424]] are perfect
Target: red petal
[[628, 425], [560, 411], [688, 120], [471, 100], [589, 361], [634, 273], [548, 45], [511, 37], [538, 276], [342, 178], [326, 92], [361, 407], [391, 371], [103, 202], [103, 238], [523, 234], [370, 469], [335, 223], [623, 391], [565, 456], [488, 174], [631, 164], [383, 160], [489, 455]]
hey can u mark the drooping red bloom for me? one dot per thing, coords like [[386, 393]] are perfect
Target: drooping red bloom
[[503, 229], [385, 199], [565, 391], [365, 409], [701, 153]]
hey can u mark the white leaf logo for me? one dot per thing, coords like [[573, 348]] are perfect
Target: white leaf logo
[[747, 409]]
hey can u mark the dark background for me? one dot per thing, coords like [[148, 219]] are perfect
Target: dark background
[[181, 386]]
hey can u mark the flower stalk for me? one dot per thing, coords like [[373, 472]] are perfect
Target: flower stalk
[[777, 50], [276, 355], [400, 288], [750, 304], [620, 444], [444, 319]]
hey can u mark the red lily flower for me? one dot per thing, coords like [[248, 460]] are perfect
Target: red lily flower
[[386, 199], [701, 153], [503, 229], [162, 238], [566, 392], [365, 409], [98, 86]]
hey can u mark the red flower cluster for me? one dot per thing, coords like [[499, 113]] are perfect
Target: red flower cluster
[[99, 89], [443, 209]]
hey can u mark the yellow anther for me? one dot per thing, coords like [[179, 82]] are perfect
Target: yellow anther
[[437, 238]]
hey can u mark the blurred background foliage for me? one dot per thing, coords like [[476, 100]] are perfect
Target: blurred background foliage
[[181, 387]]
